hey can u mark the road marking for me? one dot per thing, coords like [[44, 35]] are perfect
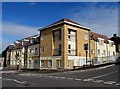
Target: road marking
[[62, 77], [97, 81], [78, 79], [15, 80], [109, 82], [106, 66], [70, 78], [56, 77], [87, 80], [118, 84], [104, 75]]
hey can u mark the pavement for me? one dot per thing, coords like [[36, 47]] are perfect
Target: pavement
[[106, 76]]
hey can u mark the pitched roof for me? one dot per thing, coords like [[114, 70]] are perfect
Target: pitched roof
[[27, 44], [67, 21], [96, 36], [63, 20]]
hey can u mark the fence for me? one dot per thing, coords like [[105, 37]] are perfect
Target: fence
[[102, 60]]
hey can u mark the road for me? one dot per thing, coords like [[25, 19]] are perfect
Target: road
[[107, 76]]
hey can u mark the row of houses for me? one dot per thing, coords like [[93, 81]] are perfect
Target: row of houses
[[64, 44]]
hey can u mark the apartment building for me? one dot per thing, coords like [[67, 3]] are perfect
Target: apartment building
[[62, 45], [102, 48], [17, 53], [33, 58]]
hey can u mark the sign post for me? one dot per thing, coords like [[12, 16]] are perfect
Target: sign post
[[86, 50]]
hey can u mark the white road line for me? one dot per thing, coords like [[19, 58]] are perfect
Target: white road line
[[97, 81], [78, 79], [14, 80], [118, 84], [109, 82], [70, 78], [56, 77], [103, 75], [62, 77], [87, 80]]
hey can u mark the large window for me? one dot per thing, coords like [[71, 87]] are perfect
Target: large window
[[50, 63], [36, 51], [42, 63], [104, 52], [98, 52], [69, 48], [68, 63]]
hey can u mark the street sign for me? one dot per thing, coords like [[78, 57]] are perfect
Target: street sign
[[85, 46]]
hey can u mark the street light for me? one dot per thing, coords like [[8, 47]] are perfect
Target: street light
[[86, 50]]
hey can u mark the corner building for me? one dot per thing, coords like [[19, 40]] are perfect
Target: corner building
[[62, 45]]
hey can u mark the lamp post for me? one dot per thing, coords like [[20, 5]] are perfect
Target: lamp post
[[86, 50]]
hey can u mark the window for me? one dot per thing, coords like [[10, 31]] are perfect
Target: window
[[42, 63], [109, 53], [42, 49], [50, 63], [69, 51], [86, 36], [69, 31], [111, 44], [113, 53], [69, 46], [42, 37], [104, 52], [68, 37], [30, 51], [59, 46], [36, 61], [29, 62], [98, 52], [59, 64], [36, 51]]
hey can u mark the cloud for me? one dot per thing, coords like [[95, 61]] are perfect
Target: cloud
[[14, 32], [12, 29], [100, 18]]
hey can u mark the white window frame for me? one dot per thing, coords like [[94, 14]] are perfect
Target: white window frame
[[49, 63], [42, 63]]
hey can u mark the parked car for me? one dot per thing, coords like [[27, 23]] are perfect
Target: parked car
[[117, 61]]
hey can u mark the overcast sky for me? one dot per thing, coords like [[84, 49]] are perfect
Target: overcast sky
[[22, 19]]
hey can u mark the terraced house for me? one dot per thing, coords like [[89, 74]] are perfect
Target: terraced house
[[18, 53], [62, 45], [102, 48]]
